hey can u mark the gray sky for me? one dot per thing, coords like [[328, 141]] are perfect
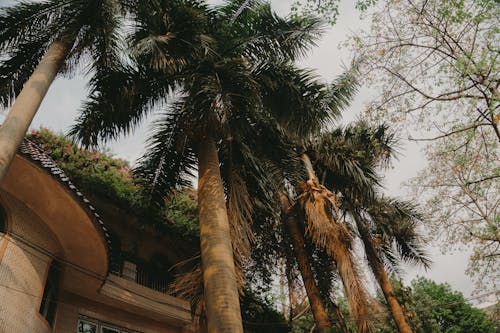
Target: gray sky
[[61, 105]]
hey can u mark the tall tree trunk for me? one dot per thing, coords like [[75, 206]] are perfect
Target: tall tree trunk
[[336, 241], [27, 102], [318, 308], [219, 278], [308, 166], [383, 280]]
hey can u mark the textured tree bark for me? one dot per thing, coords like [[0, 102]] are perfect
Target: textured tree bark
[[396, 308], [219, 278], [318, 308], [346, 266], [308, 166], [27, 102], [384, 282]]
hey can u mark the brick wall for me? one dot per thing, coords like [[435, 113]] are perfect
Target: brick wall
[[23, 269]]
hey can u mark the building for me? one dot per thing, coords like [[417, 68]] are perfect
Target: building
[[66, 268]]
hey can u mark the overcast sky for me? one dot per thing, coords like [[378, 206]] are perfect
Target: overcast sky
[[60, 108]]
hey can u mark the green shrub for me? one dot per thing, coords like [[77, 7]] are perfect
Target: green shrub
[[98, 173]]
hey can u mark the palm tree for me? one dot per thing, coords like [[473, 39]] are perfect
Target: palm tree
[[305, 266], [342, 153], [388, 230], [323, 224], [40, 40], [386, 227], [216, 109], [303, 107]]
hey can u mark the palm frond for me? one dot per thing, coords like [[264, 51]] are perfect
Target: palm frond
[[27, 30], [170, 35], [17, 68], [120, 98], [258, 33], [397, 222], [340, 165], [326, 229], [99, 39], [343, 88], [296, 98], [169, 160], [27, 20]]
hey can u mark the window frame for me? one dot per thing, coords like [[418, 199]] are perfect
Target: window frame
[[86, 320], [102, 324], [4, 219], [50, 297]]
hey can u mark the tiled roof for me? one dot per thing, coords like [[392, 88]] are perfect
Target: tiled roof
[[36, 154]]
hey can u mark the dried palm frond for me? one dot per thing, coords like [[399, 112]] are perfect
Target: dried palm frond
[[240, 210], [324, 227], [189, 286]]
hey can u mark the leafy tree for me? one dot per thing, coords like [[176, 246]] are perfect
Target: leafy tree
[[436, 308], [259, 315], [387, 228], [436, 66], [341, 153], [311, 213], [40, 40]]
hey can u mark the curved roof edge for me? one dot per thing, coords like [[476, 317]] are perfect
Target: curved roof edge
[[37, 155]]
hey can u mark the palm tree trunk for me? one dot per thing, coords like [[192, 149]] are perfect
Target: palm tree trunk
[[383, 280], [27, 102], [338, 249], [396, 308], [219, 278], [318, 308], [308, 165]]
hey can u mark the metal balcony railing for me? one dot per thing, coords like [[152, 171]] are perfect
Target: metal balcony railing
[[141, 273]]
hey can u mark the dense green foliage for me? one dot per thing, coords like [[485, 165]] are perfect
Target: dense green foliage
[[431, 308], [435, 308], [100, 174]]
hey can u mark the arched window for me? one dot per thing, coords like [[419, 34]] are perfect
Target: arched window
[[3, 220], [50, 293]]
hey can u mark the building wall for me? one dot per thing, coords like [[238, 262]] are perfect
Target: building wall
[[73, 306], [26, 252], [23, 268]]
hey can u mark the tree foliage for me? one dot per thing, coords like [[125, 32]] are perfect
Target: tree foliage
[[329, 9], [98, 173], [436, 308], [436, 66]]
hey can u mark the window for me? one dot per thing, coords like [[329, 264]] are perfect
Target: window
[[50, 293], [3, 220], [129, 270], [85, 326], [108, 329], [89, 325]]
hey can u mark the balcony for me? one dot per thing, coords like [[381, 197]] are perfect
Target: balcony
[[150, 303], [145, 274]]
